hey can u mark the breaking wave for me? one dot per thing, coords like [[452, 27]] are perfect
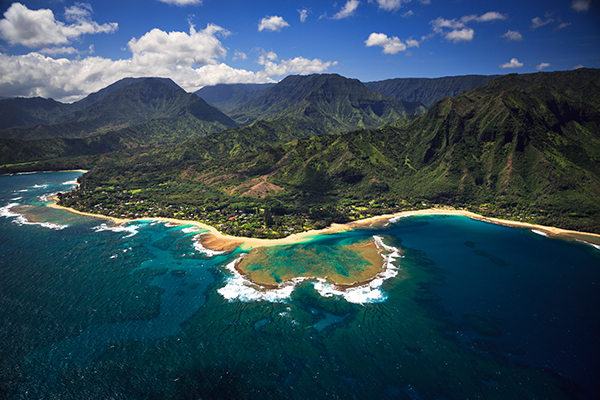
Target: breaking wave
[[239, 288], [131, 229], [203, 250], [20, 219]]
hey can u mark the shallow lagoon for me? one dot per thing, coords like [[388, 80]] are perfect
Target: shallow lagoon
[[475, 310]]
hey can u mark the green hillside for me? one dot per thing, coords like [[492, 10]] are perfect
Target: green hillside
[[523, 147], [428, 91], [30, 112], [331, 103], [133, 104]]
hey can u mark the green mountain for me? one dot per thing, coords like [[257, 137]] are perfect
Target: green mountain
[[428, 91], [29, 112], [331, 103], [226, 97], [95, 97], [298, 107], [523, 147], [130, 105], [143, 113]]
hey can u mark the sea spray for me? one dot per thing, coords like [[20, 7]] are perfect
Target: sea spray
[[20, 219], [239, 288], [131, 228], [370, 292], [203, 250]]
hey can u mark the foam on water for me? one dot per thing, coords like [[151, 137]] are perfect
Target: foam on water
[[131, 229], [201, 249], [539, 232], [370, 292], [240, 288], [20, 219], [5, 211], [190, 229]]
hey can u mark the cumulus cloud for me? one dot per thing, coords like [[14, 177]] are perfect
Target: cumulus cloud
[[390, 45], [298, 65], [391, 5], [66, 80], [578, 66], [581, 5], [59, 50], [303, 14], [490, 16], [513, 63], [512, 36], [190, 59], [39, 28], [182, 3], [542, 66], [537, 22], [457, 30], [158, 47], [272, 23], [347, 10]]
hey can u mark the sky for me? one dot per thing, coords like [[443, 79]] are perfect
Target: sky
[[66, 49]]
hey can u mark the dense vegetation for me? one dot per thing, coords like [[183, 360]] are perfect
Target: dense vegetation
[[428, 91], [523, 147], [331, 103]]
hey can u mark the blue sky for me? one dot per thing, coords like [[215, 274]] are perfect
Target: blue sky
[[67, 49]]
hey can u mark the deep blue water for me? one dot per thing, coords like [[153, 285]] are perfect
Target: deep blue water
[[90, 311]]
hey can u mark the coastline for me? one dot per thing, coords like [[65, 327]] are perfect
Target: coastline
[[215, 240]]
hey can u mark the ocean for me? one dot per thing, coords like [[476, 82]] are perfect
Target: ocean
[[465, 309]]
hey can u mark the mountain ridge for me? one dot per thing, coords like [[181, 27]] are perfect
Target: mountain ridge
[[526, 148]]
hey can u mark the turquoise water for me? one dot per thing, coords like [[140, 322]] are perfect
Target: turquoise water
[[90, 311]]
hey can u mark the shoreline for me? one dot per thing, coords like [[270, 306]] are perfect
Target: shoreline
[[215, 240]]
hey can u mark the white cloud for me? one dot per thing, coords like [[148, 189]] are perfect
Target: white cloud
[[409, 13], [391, 5], [68, 80], [561, 26], [542, 66], [347, 10], [390, 45], [239, 55], [39, 28], [425, 1], [578, 66], [457, 30], [463, 35], [512, 36], [179, 48], [303, 14], [182, 3], [298, 65], [272, 23], [190, 59], [581, 5], [514, 63], [537, 22], [490, 16], [59, 50]]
